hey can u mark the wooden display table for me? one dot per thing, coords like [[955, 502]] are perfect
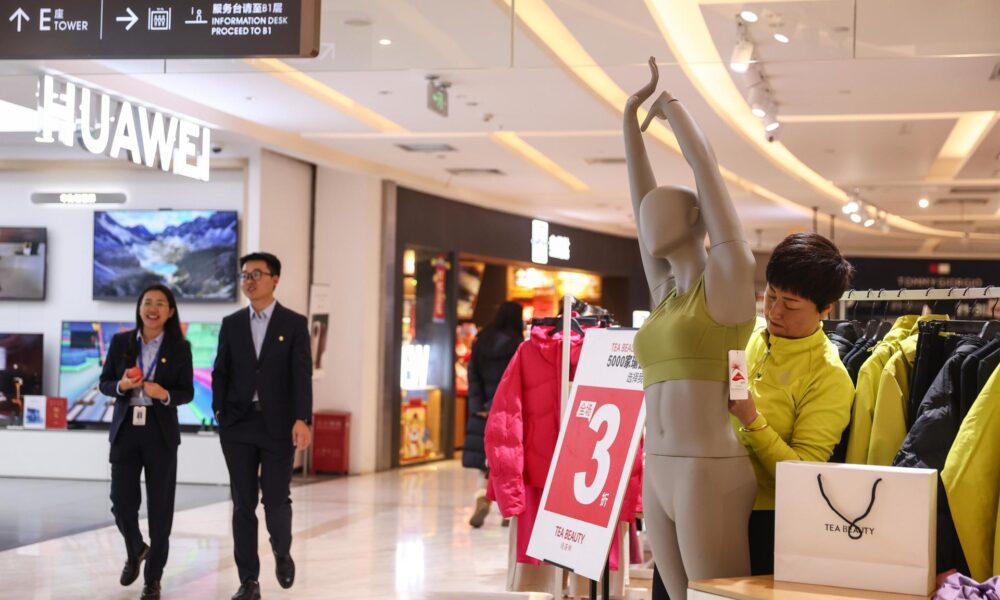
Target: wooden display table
[[765, 588]]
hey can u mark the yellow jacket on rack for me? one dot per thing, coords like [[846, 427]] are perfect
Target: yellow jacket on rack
[[866, 389], [804, 393], [971, 478]]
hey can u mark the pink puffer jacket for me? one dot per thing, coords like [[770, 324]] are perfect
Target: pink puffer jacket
[[523, 425]]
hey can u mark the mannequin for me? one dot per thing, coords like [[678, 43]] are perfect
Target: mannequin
[[699, 486]]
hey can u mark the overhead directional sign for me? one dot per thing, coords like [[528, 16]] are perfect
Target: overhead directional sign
[[124, 29]]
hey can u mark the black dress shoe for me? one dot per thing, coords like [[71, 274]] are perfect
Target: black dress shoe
[[130, 572], [284, 570], [151, 591], [250, 590]]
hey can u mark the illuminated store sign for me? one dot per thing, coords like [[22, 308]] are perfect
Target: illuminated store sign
[[76, 115], [545, 246]]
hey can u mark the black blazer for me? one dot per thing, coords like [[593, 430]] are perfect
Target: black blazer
[[174, 372], [282, 376]]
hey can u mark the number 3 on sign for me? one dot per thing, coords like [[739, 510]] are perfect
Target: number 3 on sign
[[588, 494]]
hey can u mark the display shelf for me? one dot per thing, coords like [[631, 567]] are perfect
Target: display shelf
[[766, 588], [80, 454]]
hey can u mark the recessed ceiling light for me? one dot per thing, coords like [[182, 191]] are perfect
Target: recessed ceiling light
[[781, 38], [856, 217], [357, 22], [923, 203], [749, 16], [385, 42]]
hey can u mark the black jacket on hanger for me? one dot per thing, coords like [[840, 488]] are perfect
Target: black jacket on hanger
[[932, 351], [986, 368], [929, 440], [969, 383]]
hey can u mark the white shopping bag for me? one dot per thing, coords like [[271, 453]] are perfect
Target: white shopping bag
[[875, 528]]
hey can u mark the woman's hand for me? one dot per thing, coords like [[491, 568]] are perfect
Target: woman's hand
[[744, 410], [155, 391], [639, 97], [658, 109], [127, 383]]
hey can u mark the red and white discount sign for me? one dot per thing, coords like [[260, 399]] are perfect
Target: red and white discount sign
[[593, 460]]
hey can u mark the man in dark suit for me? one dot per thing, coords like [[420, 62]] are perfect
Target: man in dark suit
[[262, 398]]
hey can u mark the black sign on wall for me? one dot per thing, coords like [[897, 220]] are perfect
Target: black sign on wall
[[916, 274], [124, 29]]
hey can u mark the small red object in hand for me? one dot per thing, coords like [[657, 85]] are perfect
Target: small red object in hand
[[134, 373]]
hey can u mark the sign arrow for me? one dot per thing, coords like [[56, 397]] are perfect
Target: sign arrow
[[21, 17], [131, 18]]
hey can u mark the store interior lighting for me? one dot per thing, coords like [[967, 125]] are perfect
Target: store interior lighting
[[749, 16], [923, 203], [856, 217], [742, 56], [782, 38], [760, 99], [771, 123]]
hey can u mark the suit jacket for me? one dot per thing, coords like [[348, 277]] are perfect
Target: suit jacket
[[173, 372], [281, 377]]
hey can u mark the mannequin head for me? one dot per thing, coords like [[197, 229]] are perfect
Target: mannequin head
[[669, 219]]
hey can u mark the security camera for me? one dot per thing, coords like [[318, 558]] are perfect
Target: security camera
[[216, 149]]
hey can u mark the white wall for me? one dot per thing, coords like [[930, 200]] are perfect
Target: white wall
[[70, 243], [285, 216], [348, 231]]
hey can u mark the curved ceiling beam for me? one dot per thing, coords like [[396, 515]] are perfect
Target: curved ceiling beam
[[687, 35]]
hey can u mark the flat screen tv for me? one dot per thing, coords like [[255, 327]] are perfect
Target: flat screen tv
[[191, 251], [83, 348], [22, 263]]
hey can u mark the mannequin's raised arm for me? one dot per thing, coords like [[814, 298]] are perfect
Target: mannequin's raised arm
[[717, 210], [641, 180]]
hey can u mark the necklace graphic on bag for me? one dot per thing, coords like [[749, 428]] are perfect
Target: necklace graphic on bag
[[853, 531]]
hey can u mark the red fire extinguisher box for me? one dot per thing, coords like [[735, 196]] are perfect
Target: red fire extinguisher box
[[331, 442]]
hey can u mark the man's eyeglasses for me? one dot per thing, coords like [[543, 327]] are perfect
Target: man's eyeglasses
[[256, 274]]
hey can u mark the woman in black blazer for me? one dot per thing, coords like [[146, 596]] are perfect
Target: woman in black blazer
[[149, 374]]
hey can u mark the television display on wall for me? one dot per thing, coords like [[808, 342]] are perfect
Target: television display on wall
[[20, 359], [194, 252], [83, 348], [22, 263]]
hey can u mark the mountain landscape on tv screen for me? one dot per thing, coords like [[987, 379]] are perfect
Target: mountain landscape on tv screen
[[192, 252]]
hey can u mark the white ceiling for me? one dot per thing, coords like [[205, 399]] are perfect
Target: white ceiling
[[919, 64]]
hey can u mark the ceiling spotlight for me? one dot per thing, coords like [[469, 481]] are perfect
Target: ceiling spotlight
[[856, 217], [749, 16], [851, 207], [781, 38], [385, 42], [759, 101], [742, 54], [923, 203], [869, 222], [771, 122]]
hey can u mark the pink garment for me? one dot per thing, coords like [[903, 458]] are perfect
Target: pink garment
[[522, 431], [961, 587], [523, 424]]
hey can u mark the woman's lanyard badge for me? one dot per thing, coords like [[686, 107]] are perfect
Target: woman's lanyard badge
[[139, 412]]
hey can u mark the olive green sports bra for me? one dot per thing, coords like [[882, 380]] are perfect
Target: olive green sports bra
[[680, 340]]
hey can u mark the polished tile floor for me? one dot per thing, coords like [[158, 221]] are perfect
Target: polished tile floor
[[401, 535]]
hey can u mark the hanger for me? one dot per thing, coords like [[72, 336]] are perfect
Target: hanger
[[872, 327], [556, 324], [885, 326]]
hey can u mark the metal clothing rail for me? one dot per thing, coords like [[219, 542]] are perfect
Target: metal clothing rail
[[955, 293], [958, 294]]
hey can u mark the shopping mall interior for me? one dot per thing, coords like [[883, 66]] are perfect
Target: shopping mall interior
[[417, 165]]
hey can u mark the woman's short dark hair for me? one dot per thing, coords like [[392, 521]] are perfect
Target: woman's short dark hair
[[271, 260], [172, 327], [810, 266]]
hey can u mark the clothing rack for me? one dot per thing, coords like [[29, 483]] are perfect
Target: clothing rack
[[958, 294]]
